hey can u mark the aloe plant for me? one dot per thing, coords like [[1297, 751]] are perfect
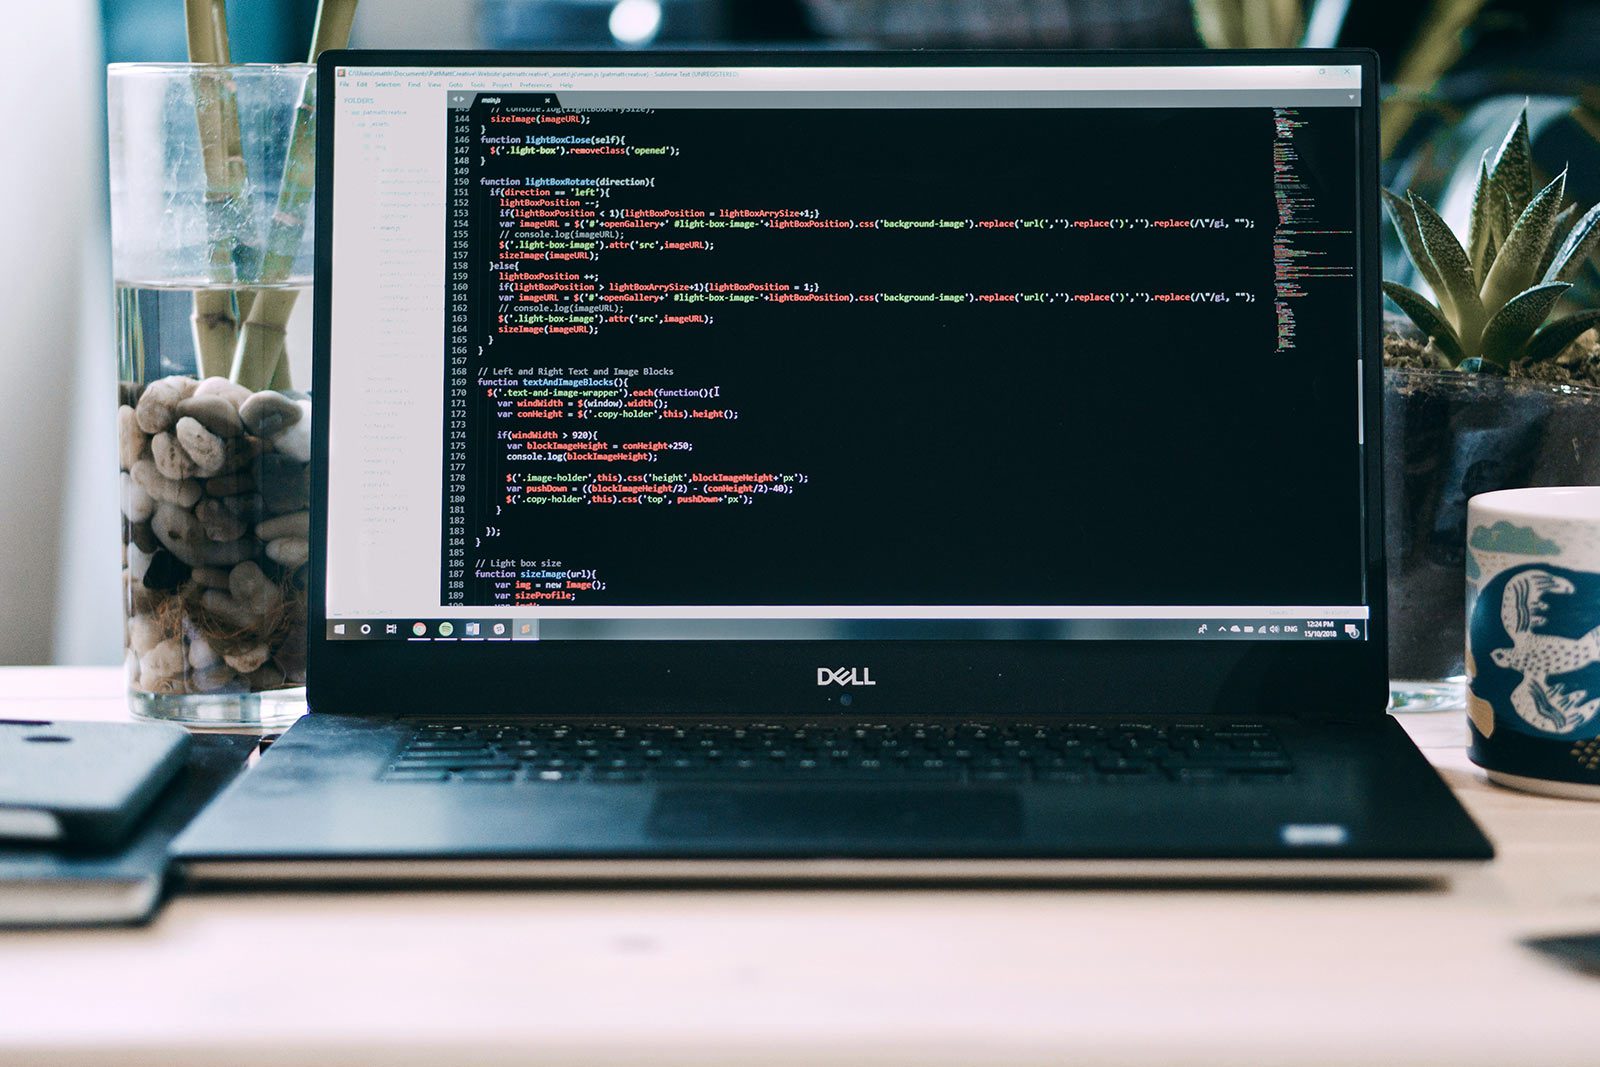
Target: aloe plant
[[1496, 290]]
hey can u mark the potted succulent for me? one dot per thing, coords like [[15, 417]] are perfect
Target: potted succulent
[[1491, 385]]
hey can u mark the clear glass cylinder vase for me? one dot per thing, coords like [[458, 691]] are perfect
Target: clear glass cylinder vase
[[211, 208]]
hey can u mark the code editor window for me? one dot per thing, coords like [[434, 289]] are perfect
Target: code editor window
[[766, 355]]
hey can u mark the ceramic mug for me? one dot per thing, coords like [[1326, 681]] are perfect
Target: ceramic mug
[[1533, 638]]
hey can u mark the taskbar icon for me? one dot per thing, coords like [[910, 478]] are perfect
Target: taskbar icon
[[458, 630]]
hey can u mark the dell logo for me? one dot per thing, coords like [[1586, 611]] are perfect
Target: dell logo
[[845, 676]]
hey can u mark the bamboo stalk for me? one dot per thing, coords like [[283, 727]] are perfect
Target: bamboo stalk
[[215, 321], [1220, 23], [1288, 23], [1249, 23], [1257, 23], [261, 340], [258, 356]]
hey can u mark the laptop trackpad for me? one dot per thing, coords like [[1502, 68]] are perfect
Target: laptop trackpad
[[843, 812]]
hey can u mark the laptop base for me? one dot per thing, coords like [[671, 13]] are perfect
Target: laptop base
[[1362, 804], [1390, 874]]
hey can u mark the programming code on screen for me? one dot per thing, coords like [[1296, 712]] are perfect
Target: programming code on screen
[[886, 356]]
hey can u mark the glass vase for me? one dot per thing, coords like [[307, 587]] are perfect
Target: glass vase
[[211, 174]]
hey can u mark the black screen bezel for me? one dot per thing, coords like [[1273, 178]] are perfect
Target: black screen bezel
[[758, 679]]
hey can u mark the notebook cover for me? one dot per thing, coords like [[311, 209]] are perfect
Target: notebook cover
[[42, 886]]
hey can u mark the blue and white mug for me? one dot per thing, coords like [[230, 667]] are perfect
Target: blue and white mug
[[1533, 638]]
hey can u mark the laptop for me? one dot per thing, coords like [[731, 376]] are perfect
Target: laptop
[[844, 465]]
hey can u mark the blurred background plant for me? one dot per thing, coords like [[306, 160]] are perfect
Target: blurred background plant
[[1459, 70]]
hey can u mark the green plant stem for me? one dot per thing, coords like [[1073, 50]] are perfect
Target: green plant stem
[[1220, 23], [1249, 23], [258, 356], [215, 320], [1437, 48], [261, 339]]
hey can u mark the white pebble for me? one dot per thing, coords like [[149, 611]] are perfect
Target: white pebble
[[248, 660], [294, 524], [219, 523], [213, 412], [137, 505], [182, 493], [225, 607], [229, 390], [267, 414], [251, 587], [159, 401], [138, 561], [202, 446], [172, 461], [144, 633], [295, 442], [289, 551], [131, 440], [161, 663], [201, 654], [180, 532]]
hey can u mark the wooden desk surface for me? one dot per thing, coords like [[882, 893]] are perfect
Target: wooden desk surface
[[1223, 978]]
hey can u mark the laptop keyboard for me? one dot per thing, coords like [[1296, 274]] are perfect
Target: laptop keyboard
[[1065, 753]]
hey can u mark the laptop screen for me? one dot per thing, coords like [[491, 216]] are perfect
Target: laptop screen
[[854, 352]]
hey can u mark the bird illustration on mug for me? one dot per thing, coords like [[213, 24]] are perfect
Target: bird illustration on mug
[[1547, 705]]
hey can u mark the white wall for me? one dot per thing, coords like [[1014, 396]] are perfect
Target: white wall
[[50, 123], [415, 24]]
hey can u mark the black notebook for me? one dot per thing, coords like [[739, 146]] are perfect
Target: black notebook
[[41, 886]]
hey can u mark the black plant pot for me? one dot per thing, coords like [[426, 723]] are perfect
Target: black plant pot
[[1449, 436]]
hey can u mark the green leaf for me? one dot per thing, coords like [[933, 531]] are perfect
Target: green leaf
[[1504, 215], [1508, 331], [1516, 265], [1511, 171], [1582, 241], [1405, 224], [1553, 337], [1479, 239], [1552, 244], [1457, 290], [1429, 319]]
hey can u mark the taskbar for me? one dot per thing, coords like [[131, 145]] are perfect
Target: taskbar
[[546, 628]]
